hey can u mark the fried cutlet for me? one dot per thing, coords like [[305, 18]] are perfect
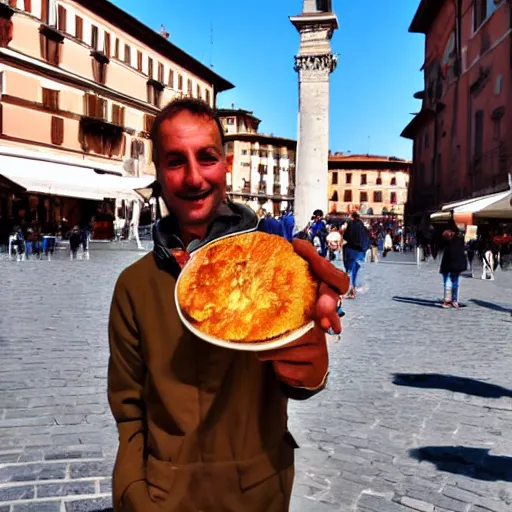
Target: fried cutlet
[[247, 288]]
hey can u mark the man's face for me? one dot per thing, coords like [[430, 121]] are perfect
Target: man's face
[[191, 168]]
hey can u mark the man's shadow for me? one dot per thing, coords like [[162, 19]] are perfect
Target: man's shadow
[[462, 460], [451, 383]]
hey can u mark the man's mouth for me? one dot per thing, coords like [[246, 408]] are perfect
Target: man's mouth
[[196, 197]]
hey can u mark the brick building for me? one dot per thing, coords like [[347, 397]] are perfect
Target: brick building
[[80, 84], [368, 184], [462, 136]]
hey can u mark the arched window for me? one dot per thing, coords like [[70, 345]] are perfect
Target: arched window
[[393, 181], [335, 196]]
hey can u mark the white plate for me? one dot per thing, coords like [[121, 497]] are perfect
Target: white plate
[[278, 342]]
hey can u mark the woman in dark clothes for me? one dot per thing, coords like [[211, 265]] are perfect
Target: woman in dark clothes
[[454, 262]]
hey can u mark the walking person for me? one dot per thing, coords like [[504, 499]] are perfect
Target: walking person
[[388, 244], [202, 427], [75, 239], [358, 242], [374, 246], [453, 263]]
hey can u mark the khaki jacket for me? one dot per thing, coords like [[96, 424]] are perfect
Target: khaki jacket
[[201, 428]]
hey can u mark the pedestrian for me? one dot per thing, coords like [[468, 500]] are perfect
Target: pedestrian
[[271, 225], [388, 244], [374, 246], [75, 239], [358, 242], [202, 427], [334, 243], [319, 231], [288, 223], [453, 263]]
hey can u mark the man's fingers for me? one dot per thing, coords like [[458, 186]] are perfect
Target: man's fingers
[[321, 268]]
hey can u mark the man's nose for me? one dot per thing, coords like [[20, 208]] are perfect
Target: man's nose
[[193, 175]]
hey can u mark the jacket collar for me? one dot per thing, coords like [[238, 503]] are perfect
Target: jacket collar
[[230, 218]]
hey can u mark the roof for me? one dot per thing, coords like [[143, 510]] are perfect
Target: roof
[[224, 112], [262, 138], [425, 15], [422, 118], [154, 40], [367, 162]]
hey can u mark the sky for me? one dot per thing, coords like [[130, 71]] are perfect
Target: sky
[[254, 45]]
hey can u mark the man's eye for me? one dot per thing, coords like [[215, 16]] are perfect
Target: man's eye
[[208, 158], [175, 162]]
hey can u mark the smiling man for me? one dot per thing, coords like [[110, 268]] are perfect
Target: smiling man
[[202, 427]]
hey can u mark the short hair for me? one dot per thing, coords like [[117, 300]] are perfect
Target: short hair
[[355, 215], [318, 213], [194, 106]]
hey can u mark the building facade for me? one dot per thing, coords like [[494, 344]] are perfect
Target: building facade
[[80, 84], [261, 167], [371, 185], [462, 136]]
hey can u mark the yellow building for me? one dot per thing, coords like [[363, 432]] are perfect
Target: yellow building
[[368, 184]]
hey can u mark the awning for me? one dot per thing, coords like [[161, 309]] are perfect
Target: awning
[[494, 206], [44, 177]]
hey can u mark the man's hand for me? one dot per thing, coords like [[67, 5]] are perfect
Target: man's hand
[[302, 363], [333, 283]]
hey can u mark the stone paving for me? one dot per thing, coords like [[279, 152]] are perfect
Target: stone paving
[[437, 437]]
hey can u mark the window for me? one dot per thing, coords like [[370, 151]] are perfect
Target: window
[[324, 5], [378, 181], [334, 197], [116, 48], [335, 178], [106, 44], [189, 87], [230, 121], [148, 122], [137, 148], [377, 196], [348, 178], [198, 91], [139, 60], [127, 55], [118, 114], [61, 18], [180, 83], [347, 196], [27, 5], [57, 134], [79, 28], [51, 99], [99, 67], [161, 73], [393, 181], [363, 179], [479, 134], [171, 79], [207, 96], [150, 67], [482, 9], [45, 10], [95, 106], [51, 43], [244, 151], [393, 198], [154, 90], [13, 3], [94, 36], [363, 197]]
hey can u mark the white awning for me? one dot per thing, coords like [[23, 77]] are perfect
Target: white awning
[[494, 206], [70, 181]]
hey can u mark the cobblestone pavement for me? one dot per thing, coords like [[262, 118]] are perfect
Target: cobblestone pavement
[[437, 437]]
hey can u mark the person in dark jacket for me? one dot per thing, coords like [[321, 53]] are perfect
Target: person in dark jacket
[[203, 427], [453, 263], [288, 222], [358, 242], [271, 225]]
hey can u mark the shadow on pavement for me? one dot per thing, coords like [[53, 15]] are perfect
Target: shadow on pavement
[[451, 383], [491, 305], [462, 460], [418, 302]]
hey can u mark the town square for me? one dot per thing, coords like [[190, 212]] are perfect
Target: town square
[[255, 256]]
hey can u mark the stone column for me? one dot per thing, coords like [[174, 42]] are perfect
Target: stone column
[[314, 64]]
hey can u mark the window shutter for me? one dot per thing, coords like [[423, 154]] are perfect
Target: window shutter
[[150, 67], [94, 36], [62, 21], [160, 72], [28, 5], [45, 10], [148, 122], [116, 49], [79, 27], [139, 60], [171, 79], [107, 44], [57, 134], [127, 55]]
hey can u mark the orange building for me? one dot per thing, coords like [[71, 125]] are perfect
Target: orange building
[[463, 133], [80, 84], [368, 184]]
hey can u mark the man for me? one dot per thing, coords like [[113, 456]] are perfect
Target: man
[[288, 222], [358, 242], [319, 230], [271, 225], [202, 427]]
